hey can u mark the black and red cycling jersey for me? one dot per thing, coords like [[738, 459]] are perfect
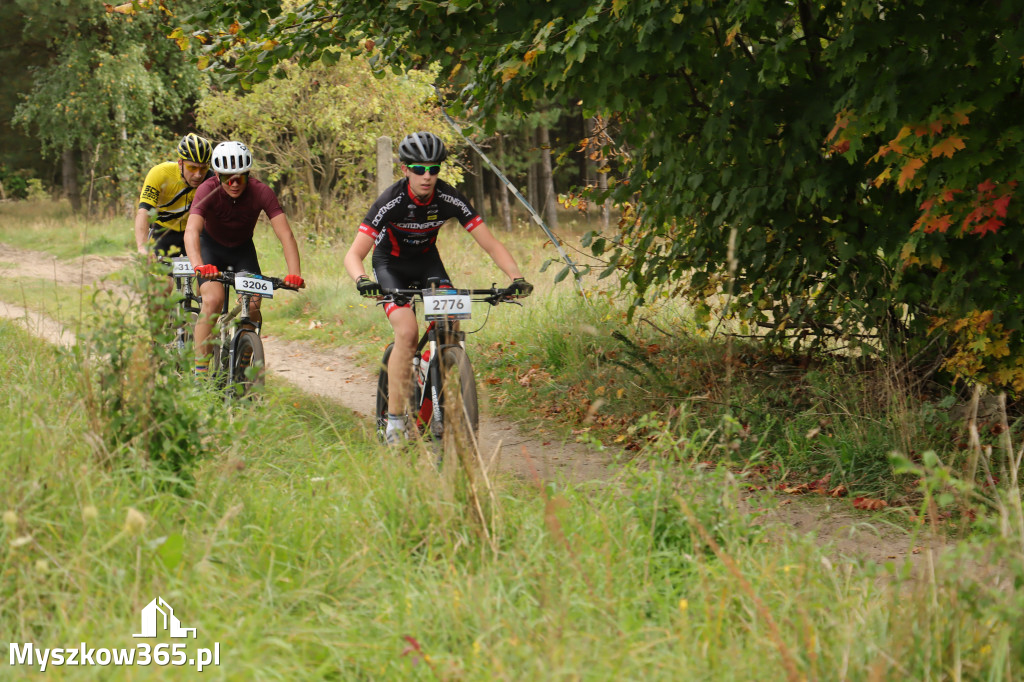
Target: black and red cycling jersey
[[404, 226]]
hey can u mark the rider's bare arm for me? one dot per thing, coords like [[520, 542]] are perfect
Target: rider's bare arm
[[141, 230], [361, 246], [193, 228], [496, 250], [283, 230]]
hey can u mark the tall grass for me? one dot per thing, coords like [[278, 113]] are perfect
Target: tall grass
[[308, 551]]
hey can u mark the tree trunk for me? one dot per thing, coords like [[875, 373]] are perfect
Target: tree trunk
[[590, 168], [602, 183], [549, 200], [69, 180], [503, 191], [478, 183], [531, 169]]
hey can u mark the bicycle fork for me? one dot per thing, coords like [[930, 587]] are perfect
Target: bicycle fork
[[434, 369], [230, 344]]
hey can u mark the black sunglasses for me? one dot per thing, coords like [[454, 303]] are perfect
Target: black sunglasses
[[420, 170]]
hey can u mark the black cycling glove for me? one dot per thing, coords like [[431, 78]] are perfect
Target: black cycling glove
[[367, 287], [520, 288]]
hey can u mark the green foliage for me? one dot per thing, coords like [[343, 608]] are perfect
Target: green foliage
[[723, 113], [13, 183], [314, 131], [309, 552], [110, 83], [140, 397]]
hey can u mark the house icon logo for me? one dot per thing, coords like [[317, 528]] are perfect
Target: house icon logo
[[159, 612]]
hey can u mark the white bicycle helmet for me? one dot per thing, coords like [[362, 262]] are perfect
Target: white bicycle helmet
[[231, 157]]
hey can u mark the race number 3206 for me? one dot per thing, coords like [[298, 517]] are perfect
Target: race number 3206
[[254, 285]]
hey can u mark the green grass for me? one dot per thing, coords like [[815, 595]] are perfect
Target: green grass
[[287, 534], [53, 228], [309, 552], [577, 367]]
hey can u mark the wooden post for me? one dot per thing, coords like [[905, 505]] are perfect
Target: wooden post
[[385, 164]]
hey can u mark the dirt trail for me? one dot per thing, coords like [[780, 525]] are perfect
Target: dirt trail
[[329, 373], [334, 375]]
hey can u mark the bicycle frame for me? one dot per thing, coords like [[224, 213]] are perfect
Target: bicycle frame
[[183, 276], [233, 317], [235, 323], [427, 388]]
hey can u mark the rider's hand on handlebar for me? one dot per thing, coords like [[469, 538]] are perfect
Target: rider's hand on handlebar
[[367, 287], [520, 288], [207, 271], [294, 281]]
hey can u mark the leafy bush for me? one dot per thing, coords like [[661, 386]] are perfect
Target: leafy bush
[[140, 396], [14, 183]]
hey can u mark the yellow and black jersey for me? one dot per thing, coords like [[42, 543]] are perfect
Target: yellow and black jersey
[[167, 197]]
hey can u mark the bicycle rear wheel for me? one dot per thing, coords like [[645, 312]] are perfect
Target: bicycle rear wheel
[[383, 394], [248, 373]]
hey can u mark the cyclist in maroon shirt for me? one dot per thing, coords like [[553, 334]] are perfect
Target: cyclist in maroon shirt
[[219, 234], [401, 228]]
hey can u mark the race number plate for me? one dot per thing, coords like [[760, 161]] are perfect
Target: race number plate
[[439, 306], [181, 267], [254, 284]]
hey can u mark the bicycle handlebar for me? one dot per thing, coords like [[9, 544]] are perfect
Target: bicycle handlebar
[[228, 277], [494, 295]]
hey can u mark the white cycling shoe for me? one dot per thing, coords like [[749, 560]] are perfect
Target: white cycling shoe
[[395, 436]]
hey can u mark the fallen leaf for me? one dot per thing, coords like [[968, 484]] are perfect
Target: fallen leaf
[[838, 491], [869, 504]]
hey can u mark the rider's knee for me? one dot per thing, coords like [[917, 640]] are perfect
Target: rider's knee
[[405, 336]]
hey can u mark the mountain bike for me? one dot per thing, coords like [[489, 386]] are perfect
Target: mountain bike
[[185, 287], [442, 390], [238, 360]]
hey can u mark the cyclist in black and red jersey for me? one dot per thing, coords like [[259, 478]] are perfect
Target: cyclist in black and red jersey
[[401, 228]]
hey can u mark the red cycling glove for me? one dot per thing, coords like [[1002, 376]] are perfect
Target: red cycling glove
[[294, 281], [207, 271]]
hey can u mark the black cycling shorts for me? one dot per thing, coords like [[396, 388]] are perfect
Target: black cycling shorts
[[168, 242], [408, 273], [238, 258]]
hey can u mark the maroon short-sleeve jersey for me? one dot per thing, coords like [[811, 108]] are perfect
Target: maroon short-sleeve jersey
[[232, 222]]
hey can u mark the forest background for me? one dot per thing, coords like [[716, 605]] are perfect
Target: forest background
[[839, 174], [831, 175]]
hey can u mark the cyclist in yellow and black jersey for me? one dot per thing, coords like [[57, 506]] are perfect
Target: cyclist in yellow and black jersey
[[167, 196]]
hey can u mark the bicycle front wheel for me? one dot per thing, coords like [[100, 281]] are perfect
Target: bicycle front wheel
[[248, 373], [461, 413]]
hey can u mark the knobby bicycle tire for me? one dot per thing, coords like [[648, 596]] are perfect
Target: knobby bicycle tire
[[248, 354], [383, 393], [460, 382]]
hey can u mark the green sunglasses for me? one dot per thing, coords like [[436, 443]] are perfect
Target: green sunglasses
[[420, 170]]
